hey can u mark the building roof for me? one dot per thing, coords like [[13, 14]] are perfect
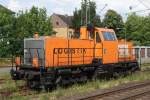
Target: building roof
[[67, 19], [6, 10]]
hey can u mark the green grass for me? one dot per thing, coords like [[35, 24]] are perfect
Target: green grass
[[5, 62], [11, 86], [145, 66]]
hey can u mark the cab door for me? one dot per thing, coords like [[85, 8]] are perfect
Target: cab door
[[110, 47], [98, 46]]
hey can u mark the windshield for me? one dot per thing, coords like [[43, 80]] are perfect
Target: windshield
[[109, 36]]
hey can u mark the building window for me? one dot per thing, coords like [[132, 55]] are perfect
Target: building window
[[148, 52], [137, 52], [70, 34], [143, 52], [57, 23]]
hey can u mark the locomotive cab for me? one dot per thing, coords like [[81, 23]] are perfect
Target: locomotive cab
[[105, 43]]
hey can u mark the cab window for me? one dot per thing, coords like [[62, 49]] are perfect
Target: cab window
[[98, 40], [91, 35], [108, 36]]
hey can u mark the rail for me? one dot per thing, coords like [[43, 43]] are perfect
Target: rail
[[143, 85]]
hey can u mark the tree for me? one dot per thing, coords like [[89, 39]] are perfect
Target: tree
[[137, 29], [76, 21], [6, 23], [32, 21], [97, 21], [29, 22], [145, 31], [23, 25], [79, 18], [114, 20]]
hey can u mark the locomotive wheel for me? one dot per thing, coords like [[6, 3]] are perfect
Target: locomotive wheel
[[84, 79], [33, 84], [95, 75], [59, 82], [49, 87], [134, 69]]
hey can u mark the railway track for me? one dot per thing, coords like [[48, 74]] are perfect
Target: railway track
[[130, 92]]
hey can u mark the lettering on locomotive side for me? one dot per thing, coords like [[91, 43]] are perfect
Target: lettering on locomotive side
[[70, 51]]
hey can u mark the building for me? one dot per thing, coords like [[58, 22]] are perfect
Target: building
[[62, 25], [142, 53]]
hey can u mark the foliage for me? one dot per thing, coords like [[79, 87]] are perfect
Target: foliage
[[24, 24], [76, 21], [137, 28], [6, 24], [114, 20], [35, 20], [79, 15]]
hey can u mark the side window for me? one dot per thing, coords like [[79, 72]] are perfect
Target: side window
[[91, 35], [98, 40], [70, 34]]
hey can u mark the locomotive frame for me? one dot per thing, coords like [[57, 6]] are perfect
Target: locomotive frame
[[62, 75], [41, 74]]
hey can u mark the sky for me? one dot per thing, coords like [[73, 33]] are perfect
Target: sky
[[68, 6]]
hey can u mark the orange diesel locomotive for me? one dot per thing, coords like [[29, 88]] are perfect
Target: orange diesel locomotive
[[49, 61]]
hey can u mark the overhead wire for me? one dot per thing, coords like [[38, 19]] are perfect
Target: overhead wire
[[139, 11], [103, 8], [142, 10], [143, 4], [134, 6]]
